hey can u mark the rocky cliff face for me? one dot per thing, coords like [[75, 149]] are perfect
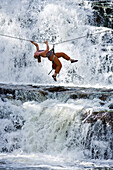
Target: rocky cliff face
[[102, 13]]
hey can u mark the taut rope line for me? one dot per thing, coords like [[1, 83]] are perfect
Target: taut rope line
[[9, 36], [23, 39], [81, 37]]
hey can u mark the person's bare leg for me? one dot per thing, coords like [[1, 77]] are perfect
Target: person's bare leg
[[65, 56], [58, 63], [61, 54], [58, 67]]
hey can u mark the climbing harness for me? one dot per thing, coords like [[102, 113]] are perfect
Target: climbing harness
[[53, 57], [53, 63]]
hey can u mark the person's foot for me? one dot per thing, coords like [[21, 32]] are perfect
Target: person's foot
[[73, 61], [54, 77]]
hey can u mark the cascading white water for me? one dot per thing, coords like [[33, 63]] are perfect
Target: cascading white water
[[55, 21], [53, 131]]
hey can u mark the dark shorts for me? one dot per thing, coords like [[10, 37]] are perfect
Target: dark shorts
[[49, 54]]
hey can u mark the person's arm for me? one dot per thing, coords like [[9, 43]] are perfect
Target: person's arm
[[37, 47], [47, 46], [43, 53]]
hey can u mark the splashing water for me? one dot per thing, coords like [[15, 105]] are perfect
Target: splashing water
[[51, 133]]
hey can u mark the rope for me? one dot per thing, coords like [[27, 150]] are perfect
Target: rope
[[81, 37], [9, 36]]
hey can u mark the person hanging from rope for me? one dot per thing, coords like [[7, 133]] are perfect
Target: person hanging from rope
[[54, 57]]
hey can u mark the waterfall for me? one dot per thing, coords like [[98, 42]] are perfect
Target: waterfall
[[40, 22], [57, 124]]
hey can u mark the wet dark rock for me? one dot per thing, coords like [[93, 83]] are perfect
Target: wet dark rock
[[105, 116], [29, 92], [56, 89], [102, 14], [104, 97], [111, 106], [73, 96], [23, 93], [43, 92], [101, 131], [102, 103], [109, 10]]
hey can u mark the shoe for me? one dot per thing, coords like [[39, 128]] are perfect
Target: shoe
[[73, 61], [54, 77]]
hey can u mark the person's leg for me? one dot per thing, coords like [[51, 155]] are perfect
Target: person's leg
[[65, 56], [58, 67], [58, 63], [61, 54]]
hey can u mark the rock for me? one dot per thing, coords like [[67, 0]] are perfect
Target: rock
[[111, 106], [73, 96], [104, 97], [105, 116], [56, 89]]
